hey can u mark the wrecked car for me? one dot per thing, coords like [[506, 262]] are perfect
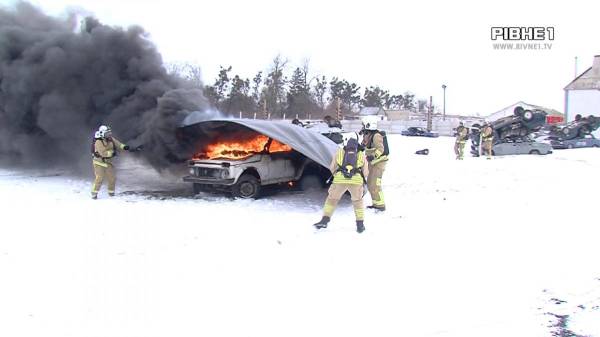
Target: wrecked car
[[242, 157], [331, 129], [575, 134], [521, 147], [418, 132], [586, 141], [512, 134]]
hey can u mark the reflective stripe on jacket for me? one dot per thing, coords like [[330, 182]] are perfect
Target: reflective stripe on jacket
[[374, 147], [106, 149], [357, 178], [487, 134]]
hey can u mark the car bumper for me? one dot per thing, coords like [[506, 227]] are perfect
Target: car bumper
[[198, 180]]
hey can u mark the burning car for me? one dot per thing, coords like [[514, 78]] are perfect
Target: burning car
[[244, 156]]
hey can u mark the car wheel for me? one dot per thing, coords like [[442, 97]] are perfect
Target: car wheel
[[518, 111], [197, 188], [246, 187], [570, 146], [527, 115], [595, 145], [310, 182], [536, 152]]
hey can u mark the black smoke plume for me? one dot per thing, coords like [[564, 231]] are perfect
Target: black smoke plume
[[60, 79]]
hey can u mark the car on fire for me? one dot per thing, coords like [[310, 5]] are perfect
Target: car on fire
[[242, 157]]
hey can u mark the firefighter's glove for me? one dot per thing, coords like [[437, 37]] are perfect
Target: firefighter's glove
[[370, 158], [136, 149]]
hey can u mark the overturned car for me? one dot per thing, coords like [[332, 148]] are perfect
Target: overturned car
[[576, 134], [512, 134], [242, 157]]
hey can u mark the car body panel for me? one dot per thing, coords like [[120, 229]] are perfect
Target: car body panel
[[515, 148], [575, 143], [271, 169], [418, 132]]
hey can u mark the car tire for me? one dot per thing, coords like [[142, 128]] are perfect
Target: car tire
[[247, 187], [527, 115], [536, 152], [310, 182], [570, 146], [197, 188], [518, 111], [595, 145]]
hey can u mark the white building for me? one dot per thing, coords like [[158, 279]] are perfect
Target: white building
[[582, 95], [373, 111]]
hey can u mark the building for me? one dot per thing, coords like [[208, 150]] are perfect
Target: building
[[372, 111], [398, 115], [553, 117], [582, 95]]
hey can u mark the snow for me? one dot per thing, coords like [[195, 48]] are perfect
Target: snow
[[467, 248]]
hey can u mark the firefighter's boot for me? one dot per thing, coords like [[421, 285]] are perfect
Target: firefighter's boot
[[323, 223], [360, 226], [377, 208]]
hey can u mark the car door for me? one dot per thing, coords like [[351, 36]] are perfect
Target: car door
[[274, 168]]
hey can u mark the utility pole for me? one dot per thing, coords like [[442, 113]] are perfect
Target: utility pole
[[444, 109], [429, 113]]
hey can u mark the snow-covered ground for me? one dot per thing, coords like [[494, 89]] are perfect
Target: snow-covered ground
[[504, 247]]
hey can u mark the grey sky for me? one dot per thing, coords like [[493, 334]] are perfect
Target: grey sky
[[415, 46]]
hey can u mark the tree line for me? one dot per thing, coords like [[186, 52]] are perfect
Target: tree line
[[280, 94]]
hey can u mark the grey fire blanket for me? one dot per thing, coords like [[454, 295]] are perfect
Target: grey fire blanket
[[310, 143]]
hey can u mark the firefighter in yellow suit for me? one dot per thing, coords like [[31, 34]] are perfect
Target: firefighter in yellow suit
[[351, 179], [377, 157], [462, 134], [487, 140], [105, 147]]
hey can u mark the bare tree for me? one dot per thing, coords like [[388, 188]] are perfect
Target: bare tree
[[275, 86]]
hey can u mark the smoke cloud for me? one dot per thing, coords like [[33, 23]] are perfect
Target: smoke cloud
[[60, 79]]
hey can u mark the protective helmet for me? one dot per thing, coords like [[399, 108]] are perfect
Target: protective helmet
[[97, 135], [104, 131], [370, 122], [348, 136]]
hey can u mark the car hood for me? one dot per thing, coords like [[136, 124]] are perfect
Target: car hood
[[310, 143]]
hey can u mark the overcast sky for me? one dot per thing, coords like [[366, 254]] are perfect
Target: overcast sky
[[416, 46]]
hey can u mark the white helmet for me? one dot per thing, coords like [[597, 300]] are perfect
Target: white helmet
[[97, 135], [103, 131], [349, 135], [370, 122]]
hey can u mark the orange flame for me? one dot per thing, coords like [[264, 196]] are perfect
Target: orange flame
[[241, 149]]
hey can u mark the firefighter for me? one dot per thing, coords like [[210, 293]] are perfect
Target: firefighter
[[349, 170], [487, 139], [105, 148], [376, 151], [462, 134]]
